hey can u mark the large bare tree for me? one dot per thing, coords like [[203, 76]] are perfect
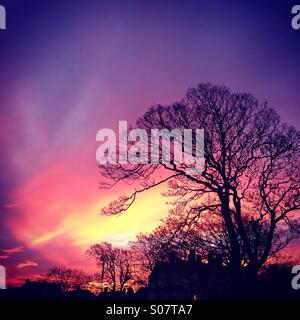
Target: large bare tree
[[250, 178]]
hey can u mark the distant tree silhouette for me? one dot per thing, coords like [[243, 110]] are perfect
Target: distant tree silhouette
[[67, 279], [176, 235], [149, 248], [146, 251], [115, 264], [250, 179]]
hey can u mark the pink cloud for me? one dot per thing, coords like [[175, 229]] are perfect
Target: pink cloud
[[19, 279], [11, 251], [11, 205], [26, 263]]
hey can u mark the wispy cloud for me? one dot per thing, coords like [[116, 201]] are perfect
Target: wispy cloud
[[4, 257], [11, 205], [19, 279], [13, 250], [26, 263]]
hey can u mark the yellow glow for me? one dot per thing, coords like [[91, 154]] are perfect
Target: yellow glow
[[87, 226]]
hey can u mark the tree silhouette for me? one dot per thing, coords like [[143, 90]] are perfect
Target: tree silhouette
[[250, 178], [178, 234], [67, 279], [149, 248], [115, 264]]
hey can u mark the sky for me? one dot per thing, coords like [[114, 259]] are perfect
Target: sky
[[69, 68]]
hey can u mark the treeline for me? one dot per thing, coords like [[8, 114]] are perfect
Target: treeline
[[128, 268]]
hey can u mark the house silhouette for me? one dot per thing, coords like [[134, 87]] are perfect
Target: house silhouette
[[194, 278]]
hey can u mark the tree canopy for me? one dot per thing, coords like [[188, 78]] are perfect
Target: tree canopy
[[250, 180]]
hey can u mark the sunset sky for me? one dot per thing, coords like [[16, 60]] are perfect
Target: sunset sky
[[69, 68]]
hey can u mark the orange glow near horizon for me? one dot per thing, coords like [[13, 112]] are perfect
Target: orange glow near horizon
[[62, 218]]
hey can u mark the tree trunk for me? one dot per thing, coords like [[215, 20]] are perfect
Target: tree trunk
[[235, 255]]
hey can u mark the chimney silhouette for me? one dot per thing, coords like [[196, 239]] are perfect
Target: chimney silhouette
[[192, 256], [173, 257]]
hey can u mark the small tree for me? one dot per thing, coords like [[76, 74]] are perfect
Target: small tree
[[115, 264], [67, 279]]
